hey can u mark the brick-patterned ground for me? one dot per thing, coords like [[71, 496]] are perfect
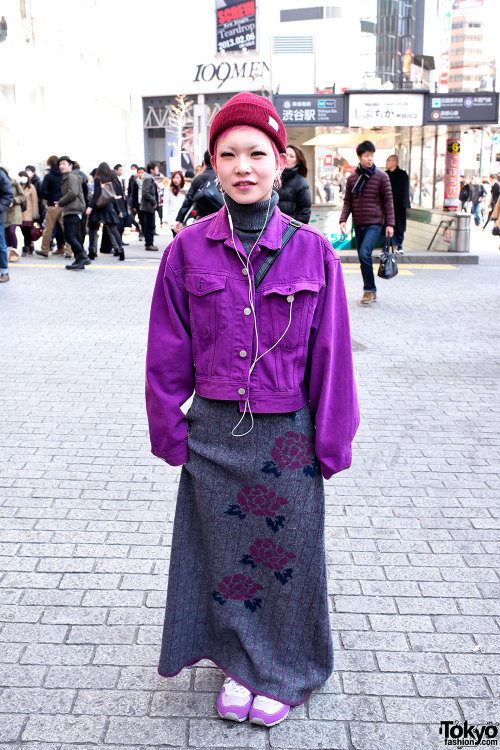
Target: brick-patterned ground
[[412, 529]]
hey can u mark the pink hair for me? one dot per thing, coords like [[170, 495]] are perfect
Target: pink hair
[[244, 128]]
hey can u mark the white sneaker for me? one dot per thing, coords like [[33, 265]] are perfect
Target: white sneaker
[[267, 711], [234, 701]]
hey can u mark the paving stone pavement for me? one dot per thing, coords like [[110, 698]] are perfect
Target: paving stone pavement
[[411, 530]]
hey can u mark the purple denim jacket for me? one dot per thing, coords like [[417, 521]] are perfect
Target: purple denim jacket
[[201, 336]]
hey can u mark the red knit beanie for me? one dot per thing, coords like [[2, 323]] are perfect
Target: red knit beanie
[[253, 111]]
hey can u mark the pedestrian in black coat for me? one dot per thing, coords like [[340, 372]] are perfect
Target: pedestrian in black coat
[[294, 194], [200, 179], [108, 215], [494, 195], [37, 184], [6, 201], [400, 185]]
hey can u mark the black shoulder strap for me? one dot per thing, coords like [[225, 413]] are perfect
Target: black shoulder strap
[[273, 254]]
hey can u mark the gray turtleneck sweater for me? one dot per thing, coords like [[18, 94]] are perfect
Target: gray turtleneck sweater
[[248, 219]]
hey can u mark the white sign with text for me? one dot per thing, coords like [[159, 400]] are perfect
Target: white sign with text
[[376, 110]]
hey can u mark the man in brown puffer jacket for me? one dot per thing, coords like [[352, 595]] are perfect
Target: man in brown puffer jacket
[[368, 196]]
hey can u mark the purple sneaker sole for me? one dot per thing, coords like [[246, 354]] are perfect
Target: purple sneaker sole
[[268, 720], [233, 712]]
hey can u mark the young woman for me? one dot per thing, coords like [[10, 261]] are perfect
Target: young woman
[[173, 199], [13, 220], [274, 412], [31, 214], [109, 215], [294, 194]]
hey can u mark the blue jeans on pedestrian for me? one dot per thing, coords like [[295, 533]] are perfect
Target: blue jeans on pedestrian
[[476, 212], [4, 256], [366, 239]]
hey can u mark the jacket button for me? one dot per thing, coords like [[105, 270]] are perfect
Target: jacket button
[[244, 271], [241, 391], [243, 353], [247, 311]]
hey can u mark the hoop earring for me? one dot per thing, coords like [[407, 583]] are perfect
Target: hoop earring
[[218, 185], [277, 182]]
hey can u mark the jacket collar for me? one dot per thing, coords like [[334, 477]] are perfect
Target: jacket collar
[[220, 229]]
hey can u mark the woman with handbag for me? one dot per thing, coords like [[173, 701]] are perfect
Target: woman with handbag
[[103, 210], [249, 311], [30, 215], [14, 219]]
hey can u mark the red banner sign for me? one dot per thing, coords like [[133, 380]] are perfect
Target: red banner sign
[[452, 175]]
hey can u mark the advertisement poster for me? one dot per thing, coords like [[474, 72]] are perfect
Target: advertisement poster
[[452, 175], [236, 25]]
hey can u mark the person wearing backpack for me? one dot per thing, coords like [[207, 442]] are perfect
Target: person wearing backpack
[[203, 208]]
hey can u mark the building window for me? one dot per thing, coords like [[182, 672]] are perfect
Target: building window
[[302, 14], [292, 45], [332, 12]]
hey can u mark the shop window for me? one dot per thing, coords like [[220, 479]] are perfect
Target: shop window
[[426, 193], [415, 159]]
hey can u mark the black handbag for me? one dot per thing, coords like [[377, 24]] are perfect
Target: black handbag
[[495, 231], [207, 199], [106, 196], [388, 267]]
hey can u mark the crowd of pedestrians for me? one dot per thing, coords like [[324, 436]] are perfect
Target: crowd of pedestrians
[[66, 206], [479, 197]]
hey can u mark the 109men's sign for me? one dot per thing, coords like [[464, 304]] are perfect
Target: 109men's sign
[[227, 70]]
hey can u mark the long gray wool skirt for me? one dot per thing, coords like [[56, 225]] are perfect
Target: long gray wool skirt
[[247, 582]]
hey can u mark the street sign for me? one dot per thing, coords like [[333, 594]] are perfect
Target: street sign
[[311, 109], [476, 109], [374, 109]]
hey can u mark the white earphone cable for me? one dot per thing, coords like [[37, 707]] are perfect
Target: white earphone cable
[[258, 356]]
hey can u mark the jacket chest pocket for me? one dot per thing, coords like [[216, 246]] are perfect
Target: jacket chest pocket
[[208, 305], [275, 313]]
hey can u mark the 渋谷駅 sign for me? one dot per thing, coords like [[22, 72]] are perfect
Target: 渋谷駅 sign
[[236, 25], [311, 109]]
